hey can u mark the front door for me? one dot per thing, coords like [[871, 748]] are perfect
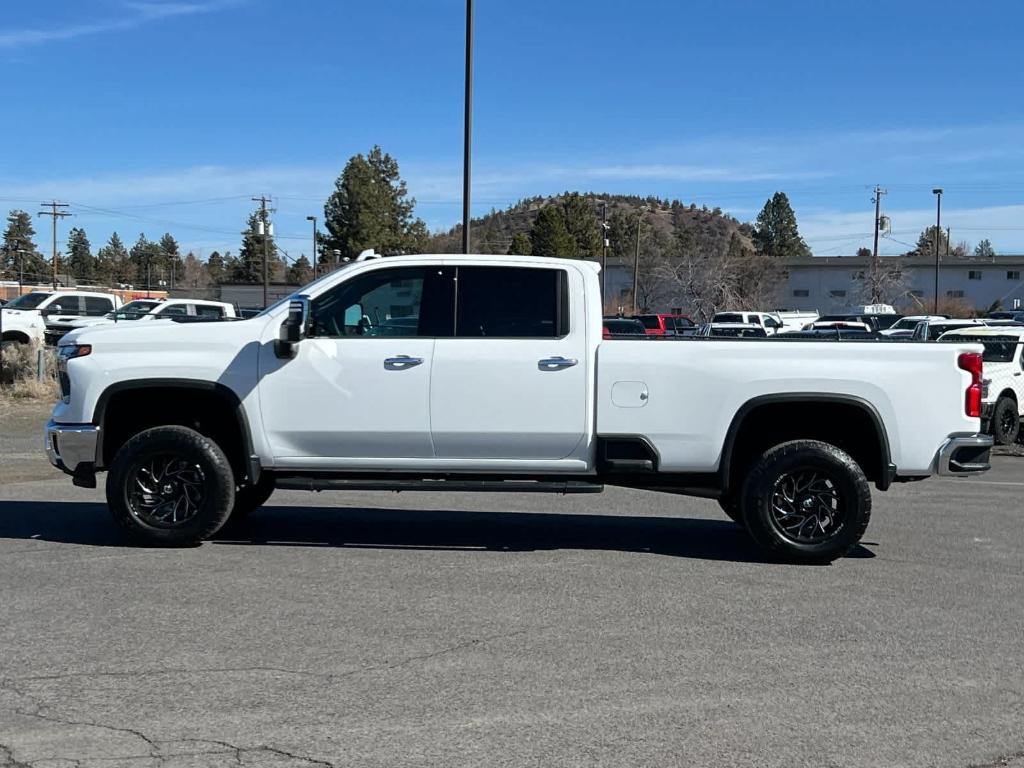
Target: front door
[[358, 389], [512, 382]]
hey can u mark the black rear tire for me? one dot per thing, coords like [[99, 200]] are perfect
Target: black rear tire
[[1005, 422], [170, 486], [806, 501], [249, 498]]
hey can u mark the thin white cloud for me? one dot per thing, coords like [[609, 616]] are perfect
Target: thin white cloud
[[135, 14]]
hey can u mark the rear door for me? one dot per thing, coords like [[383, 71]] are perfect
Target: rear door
[[512, 382]]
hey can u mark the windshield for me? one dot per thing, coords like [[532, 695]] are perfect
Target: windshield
[[998, 349], [649, 321], [303, 290], [727, 317], [28, 300], [904, 324], [133, 310]]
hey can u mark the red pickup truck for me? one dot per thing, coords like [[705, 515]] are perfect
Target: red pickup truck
[[666, 324]]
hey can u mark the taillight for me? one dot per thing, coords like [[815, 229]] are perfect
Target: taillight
[[971, 362]]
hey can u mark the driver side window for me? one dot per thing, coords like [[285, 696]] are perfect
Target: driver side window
[[383, 303]]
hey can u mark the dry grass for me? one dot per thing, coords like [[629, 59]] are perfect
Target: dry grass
[[18, 380]]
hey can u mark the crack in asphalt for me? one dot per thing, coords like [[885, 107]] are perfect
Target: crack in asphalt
[[1003, 761], [38, 710]]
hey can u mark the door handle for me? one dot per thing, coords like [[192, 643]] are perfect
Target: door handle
[[556, 363], [401, 362]]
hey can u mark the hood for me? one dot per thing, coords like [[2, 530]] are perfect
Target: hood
[[166, 335], [22, 318]]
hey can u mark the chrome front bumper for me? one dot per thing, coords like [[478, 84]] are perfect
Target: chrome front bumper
[[72, 447], [964, 455]]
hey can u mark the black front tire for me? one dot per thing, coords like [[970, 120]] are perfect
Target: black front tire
[[830, 512], [1005, 422], [170, 486]]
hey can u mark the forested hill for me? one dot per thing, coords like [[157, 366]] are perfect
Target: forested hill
[[703, 229]]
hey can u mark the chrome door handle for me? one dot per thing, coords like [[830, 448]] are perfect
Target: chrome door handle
[[556, 363], [401, 362]]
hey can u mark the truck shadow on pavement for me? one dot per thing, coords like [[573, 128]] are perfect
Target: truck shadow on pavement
[[89, 524]]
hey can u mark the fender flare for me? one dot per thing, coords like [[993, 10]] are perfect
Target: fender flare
[[886, 469], [228, 395]]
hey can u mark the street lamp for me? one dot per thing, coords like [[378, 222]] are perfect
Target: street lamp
[[636, 258], [938, 228], [313, 219]]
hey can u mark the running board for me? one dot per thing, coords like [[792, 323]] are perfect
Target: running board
[[308, 483]]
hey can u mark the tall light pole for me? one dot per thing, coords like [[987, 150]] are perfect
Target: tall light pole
[[877, 200], [467, 127], [313, 219], [636, 258], [604, 253], [938, 229]]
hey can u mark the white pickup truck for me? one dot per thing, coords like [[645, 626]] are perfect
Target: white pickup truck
[[490, 373], [40, 316]]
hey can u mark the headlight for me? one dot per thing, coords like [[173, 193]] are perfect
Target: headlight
[[67, 352]]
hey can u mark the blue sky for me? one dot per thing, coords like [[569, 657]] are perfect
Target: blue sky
[[152, 116]]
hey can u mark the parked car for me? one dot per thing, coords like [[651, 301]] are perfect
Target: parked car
[[764, 320], [506, 386], [1003, 402], [930, 330], [622, 326], [847, 325], [39, 316], [835, 332], [732, 330], [794, 319], [905, 325], [246, 312], [876, 322], [666, 325], [1014, 315], [159, 309]]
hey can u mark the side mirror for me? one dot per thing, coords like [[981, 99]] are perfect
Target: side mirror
[[293, 329]]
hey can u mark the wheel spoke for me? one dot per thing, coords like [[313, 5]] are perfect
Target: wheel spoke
[[166, 491], [806, 506]]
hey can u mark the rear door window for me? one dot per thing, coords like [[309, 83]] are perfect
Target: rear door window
[[208, 310], [511, 303], [96, 306]]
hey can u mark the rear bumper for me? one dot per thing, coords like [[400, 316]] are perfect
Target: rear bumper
[[72, 447], [964, 455]]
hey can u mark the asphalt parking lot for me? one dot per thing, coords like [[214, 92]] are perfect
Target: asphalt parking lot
[[627, 629]]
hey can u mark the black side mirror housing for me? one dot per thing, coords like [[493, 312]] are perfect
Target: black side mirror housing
[[294, 328]]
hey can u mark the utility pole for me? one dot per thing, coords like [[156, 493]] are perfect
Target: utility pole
[[604, 252], [467, 127], [313, 219], [54, 214], [262, 200], [877, 200], [938, 228]]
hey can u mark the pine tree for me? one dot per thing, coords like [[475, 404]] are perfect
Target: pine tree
[[864, 253], [370, 208], [301, 272], [20, 254], [148, 261], [113, 266], [521, 245], [984, 249], [171, 256], [215, 267], [926, 242], [549, 236], [775, 232], [581, 223], [79, 260]]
